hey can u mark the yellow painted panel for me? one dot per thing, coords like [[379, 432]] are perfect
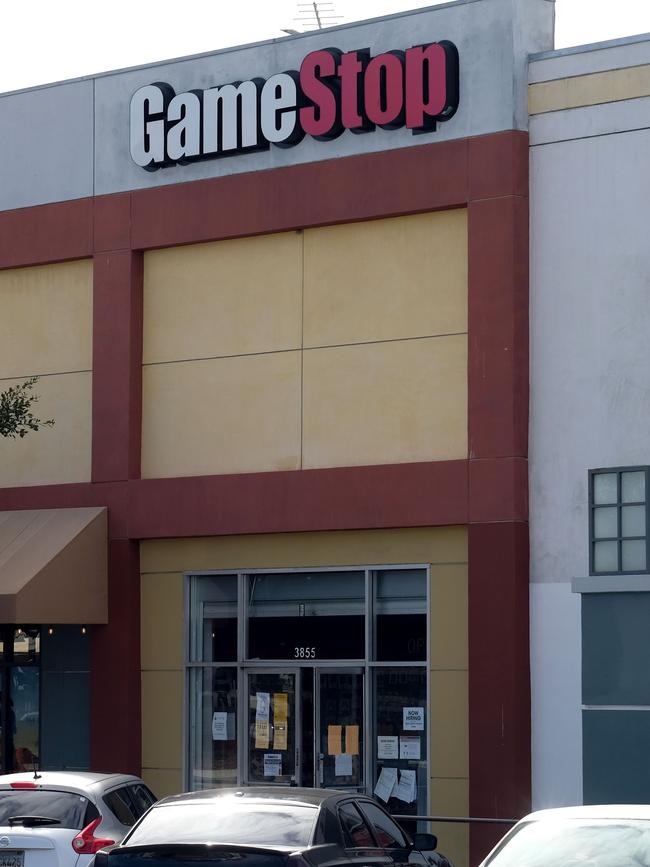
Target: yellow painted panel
[[162, 719], [385, 403], [228, 415], [161, 618], [386, 279], [52, 456], [592, 89], [46, 322], [294, 550], [224, 298], [450, 797], [163, 781], [449, 729], [448, 596]]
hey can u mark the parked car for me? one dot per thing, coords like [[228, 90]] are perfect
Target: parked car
[[61, 819], [270, 827], [597, 836]]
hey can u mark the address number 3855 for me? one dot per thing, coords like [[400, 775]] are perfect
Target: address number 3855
[[304, 653]]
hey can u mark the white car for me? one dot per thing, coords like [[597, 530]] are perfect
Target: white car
[[616, 835], [62, 818]]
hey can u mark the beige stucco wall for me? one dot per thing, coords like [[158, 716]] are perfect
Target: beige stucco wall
[[46, 330], [337, 346], [163, 563]]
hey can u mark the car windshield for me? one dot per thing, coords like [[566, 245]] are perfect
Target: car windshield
[[228, 820], [67, 807], [576, 843]]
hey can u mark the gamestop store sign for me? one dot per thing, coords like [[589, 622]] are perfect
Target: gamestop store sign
[[333, 92]]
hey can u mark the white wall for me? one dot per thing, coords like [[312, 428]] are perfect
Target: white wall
[[590, 375]]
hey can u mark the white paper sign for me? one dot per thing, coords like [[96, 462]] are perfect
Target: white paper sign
[[386, 783], [343, 765], [272, 764], [413, 719], [407, 789], [387, 747], [409, 748], [219, 726], [263, 706]]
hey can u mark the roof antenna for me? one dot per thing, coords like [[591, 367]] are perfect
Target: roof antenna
[[315, 15], [37, 776]]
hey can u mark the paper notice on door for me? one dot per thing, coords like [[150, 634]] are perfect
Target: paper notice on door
[[343, 765], [219, 726], [386, 783], [413, 719], [387, 747], [409, 748], [334, 740], [262, 731], [272, 765], [280, 715], [262, 705], [406, 790], [352, 740]]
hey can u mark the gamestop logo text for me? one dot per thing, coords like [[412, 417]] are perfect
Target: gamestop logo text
[[332, 92]]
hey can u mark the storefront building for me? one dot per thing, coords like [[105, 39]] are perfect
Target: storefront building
[[291, 375], [590, 261]]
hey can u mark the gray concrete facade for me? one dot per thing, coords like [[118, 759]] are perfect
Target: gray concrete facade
[[589, 361], [70, 140]]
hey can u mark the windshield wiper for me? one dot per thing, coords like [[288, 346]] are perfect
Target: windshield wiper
[[32, 821]]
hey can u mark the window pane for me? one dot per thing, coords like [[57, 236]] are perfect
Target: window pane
[[302, 615], [606, 557], [633, 521], [24, 716], [27, 644], [633, 556], [604, 487], [400, 615], [213, 727], [633, 487], [605, 522], [213, 605], [396, 689]]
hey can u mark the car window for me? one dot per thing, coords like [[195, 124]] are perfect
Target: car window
[[120, 803], [142, 797], [387, 832], [356, 833], [68, 807], [590, 842], [227, 820]]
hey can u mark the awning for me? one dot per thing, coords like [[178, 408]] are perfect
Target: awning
[[53, 566]]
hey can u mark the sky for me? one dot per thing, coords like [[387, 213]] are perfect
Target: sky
[[45, 41]]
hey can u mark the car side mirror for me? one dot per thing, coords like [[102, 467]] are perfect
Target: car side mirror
[[425, 842]]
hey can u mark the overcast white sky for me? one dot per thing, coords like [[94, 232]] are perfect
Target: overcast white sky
[[50, 40]]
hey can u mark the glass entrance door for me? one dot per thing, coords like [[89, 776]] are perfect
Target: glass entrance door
[[305, 727], [339, 728], [273, 719]]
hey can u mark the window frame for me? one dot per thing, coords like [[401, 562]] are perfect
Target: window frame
[[619, 538]]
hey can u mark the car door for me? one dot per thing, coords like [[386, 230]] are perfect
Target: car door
[[358, 840], [392, 839]]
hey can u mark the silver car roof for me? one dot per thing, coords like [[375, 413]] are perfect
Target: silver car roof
[[74, 781]]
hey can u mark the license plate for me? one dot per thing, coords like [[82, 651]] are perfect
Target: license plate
[[12, 858]]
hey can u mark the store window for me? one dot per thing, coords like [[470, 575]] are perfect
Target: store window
[[20, 654], [310, 677], [618, 521]]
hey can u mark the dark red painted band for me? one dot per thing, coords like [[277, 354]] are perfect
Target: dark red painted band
[[117, 366]]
